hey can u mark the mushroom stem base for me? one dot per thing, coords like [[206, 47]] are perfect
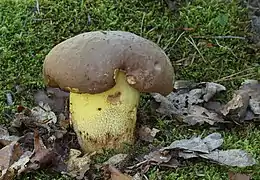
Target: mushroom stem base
[[106, 120]]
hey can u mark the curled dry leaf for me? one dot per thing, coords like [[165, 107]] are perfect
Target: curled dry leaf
[[147, 134], [19, 157], [8, 155], [245, 104], [196, 147], [193, 103], [232, 157], [237, 107], [252, 87], [36, 153], [78, 166], [213, 141], [158, 157], [199, 115], [196, 144], [38, 158], [5, 138], [43, 114], [39, 116], [186, 102], [42, 156], [20, 166]]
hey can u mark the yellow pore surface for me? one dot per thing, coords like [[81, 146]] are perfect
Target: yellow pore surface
[[105, 120]]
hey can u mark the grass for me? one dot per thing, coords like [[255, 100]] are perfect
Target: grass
[[27, 35]]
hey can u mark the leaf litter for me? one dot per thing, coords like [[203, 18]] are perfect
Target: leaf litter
[[245, 100], [147, 134], [35, 139], [194, 103], [197, 147], [42, 137], [77, 166]]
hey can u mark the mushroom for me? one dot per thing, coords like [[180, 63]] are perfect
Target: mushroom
[[105, 72]]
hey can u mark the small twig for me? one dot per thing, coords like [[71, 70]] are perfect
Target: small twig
[[150, 30], [138, 164], [159, 39], [191, 41], [225, 47], [181, 60], [240, 72], [89, 19], [179, 37], [235, 74], [219, 37], [193, 58], [37, 6], [233, 78], [145, 177], [142, 24], [169, 42], [9, 99], [8, 116], [42, 108]]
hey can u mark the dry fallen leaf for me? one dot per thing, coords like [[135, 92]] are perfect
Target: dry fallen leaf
[[192, 102], [147, 134], [196, 147], [186, 102], [199, 115], [20, 166], [8, 155], [47, 147], [237, 107], [158, 157], [245, 104], [42, 156], [43, 114], [78, 166], [30, 161], [213, 106], [39, 116], [5, 138], [196, 144], [231, 157], [252, 87], [55, 97]]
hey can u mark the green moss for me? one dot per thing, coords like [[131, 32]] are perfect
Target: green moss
[[27, 36]]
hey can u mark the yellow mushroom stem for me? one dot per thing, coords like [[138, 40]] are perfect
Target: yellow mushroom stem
[[106, 120]]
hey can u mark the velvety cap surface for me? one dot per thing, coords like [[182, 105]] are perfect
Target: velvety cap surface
[[86, 63]]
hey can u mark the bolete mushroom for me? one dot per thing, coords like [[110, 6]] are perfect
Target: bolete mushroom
[[105, 72]]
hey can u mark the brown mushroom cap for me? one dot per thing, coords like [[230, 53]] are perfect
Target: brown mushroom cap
[[85, 63]]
